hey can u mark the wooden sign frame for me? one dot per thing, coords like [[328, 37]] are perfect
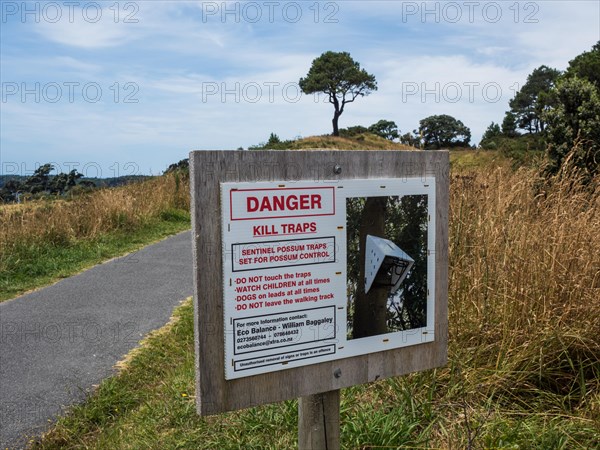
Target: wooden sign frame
[[208, 169]]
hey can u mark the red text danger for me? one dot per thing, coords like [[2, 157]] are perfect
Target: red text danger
[[284, 202]]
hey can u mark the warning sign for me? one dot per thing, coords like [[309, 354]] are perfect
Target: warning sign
[[284, 272], [299, 268]]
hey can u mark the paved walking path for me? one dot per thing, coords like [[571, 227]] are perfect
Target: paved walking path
[[60, 341]]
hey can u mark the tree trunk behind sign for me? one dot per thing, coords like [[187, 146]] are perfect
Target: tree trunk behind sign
[[370, 310]]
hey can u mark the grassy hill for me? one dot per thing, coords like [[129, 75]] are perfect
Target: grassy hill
[[362, 141], [460, 158], [366, 141]]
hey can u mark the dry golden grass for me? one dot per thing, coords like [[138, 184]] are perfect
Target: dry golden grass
[[525, 289], [92, 214]]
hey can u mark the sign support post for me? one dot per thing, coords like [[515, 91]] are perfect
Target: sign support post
[[319, 421]]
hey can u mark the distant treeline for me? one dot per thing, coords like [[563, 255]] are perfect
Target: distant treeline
[[14, 188], [98, 182]]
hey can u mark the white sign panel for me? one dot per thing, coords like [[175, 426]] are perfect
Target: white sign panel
[[291, 265]]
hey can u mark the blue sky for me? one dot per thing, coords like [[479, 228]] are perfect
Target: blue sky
[[118, 87]]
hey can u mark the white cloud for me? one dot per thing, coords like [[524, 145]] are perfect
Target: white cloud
[[86, 35], [121, 24]]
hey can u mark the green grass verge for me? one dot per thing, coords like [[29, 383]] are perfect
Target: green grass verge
[[33, 265], [151, 404]]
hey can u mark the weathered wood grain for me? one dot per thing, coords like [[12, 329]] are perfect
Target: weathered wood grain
[[319, 421]]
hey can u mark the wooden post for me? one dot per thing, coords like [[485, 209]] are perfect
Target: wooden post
[[319, 421]]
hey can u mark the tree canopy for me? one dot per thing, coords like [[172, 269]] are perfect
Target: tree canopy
[[492, 132], [41, 182], [338, 76], [443, 131], [386, 129], [574, 126], [573, 116], [509, 125], [586, 66], [532, 99]]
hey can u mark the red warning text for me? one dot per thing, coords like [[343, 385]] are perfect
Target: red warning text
[[268, 255], [290, 202], [284, 228], [273, 203]]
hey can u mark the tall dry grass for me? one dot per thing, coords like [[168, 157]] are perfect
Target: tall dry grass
[[92, 214], [524, 305]]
